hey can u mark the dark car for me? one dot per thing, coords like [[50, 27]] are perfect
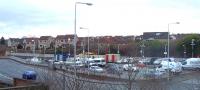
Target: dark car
[[150, 62], [29, 75], [114, 68]]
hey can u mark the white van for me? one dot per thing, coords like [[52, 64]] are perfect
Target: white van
[[97, 61], [191, 63], [172, 66]]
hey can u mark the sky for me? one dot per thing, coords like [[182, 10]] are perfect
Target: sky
[[35, 18]]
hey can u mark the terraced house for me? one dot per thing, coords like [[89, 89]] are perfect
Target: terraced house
[[63, 40], [30, 43], [45, 42]]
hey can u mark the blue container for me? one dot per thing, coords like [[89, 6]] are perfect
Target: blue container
[[64, 57], [29, 75]]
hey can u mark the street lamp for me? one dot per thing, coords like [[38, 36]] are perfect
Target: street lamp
[[33, 47], [69, 47], [75, 36], [168, 37], [88, 41], [168, 43], [44, 48]]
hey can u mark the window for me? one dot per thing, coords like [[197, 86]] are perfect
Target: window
[[184, 63]]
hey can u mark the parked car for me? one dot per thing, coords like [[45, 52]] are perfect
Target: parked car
[[114, 68], [79, 64], [35, 60], [154, 73], [150, 62], [159, 60], [177, 67], [58, 62], [127, 67], [191, 63], [96, 69], [29, 75]]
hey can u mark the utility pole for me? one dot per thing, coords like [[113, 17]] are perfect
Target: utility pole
[[142, 50], [165, 51], [184, 51], [192, 44]]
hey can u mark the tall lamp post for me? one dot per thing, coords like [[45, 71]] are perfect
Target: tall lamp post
[[33, 47], [69, 40], [75, 36], [87, 41], [168, 44]]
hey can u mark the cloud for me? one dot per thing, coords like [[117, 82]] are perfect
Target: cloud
[[31, 16], [105, 17]]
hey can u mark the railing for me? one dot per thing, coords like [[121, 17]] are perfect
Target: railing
[[31, 55]]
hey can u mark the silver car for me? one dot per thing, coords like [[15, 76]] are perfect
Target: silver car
[[96, 69]]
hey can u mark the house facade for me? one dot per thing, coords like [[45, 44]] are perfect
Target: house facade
[[14, 42], [31, 43], [45, 42], [63, 40]]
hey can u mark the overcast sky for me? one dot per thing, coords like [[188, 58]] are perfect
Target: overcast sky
[[20, 18]]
